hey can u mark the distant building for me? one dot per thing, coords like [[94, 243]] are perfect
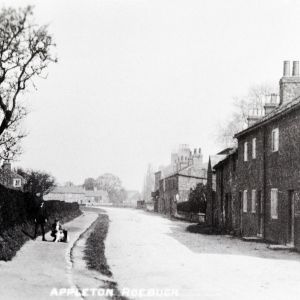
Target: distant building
[[174, 183], [132, 198], [11, 179], [96, 197], [67, 193], [73, 193]]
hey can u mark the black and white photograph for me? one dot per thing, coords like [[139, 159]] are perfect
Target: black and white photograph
[[150, 149]]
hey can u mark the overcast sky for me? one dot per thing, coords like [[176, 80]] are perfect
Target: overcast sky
[[136, 78]]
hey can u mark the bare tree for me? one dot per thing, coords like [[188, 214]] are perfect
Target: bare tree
[[25, 52], [113, 185], [252, 103]]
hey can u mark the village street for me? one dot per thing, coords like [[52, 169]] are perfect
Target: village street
[[149, 251]]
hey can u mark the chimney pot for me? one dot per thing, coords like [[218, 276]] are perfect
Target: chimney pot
[[295, 68], [286, 68]]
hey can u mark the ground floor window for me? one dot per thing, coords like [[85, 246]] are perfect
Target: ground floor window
[[274, 203], [245, 200], [253, 201]]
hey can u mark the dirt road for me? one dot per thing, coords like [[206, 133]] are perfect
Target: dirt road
[[146, 251]]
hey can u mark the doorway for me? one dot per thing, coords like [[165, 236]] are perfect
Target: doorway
[[228, 212], [260, 215]]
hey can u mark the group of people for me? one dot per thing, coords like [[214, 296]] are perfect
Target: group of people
[[58, 233]]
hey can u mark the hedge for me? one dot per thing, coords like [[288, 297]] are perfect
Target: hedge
[[192, 207], [17, 214]]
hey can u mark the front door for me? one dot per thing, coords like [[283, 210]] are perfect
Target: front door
[[291, 218], [260, 215], [228, 211]]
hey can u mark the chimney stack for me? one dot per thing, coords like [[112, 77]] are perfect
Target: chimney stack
[[295, 68], [286, 69], [289, 85]]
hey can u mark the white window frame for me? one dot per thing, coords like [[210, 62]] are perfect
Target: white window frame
[[17, 180], [254, 148], [246, 151], [253, 201], [245, 201], [275, 140], [274, 203]]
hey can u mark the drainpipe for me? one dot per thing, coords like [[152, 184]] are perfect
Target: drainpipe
[[264, 188]]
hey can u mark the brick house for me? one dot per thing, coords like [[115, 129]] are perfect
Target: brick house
[[263, 192], [11, 179], [269, 167]]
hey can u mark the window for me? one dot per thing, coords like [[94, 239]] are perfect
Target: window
[[253, 201], [275, 140], [254, 148], [245, 151], [245, 201], [17, 182], [274, 203]]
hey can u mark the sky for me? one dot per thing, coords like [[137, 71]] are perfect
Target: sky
[[135, 78]]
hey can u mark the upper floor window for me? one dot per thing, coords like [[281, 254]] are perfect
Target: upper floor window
[[245, 200], [275, 139], [245, 151], [17, 182], [274, 203], [254, 148]]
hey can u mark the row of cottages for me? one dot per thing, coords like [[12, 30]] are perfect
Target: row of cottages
[[73, 193], [174, 183], [257, 185]]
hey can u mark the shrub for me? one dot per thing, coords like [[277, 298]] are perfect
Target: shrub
[[196, 202]]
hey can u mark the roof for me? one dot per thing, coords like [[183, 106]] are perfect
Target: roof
[[10, 174], [67, 190], [189, 171], [225, 151], [215, 159], [276, 113], [225, 157]]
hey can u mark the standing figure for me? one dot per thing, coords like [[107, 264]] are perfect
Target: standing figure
[[40, 220]]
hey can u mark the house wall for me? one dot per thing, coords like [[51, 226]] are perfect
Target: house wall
[[273, 170], [250, 177]]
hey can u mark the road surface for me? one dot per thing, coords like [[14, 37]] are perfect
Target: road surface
[[147, 251]]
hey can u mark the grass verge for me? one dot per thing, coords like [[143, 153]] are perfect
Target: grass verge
[[94, 252]]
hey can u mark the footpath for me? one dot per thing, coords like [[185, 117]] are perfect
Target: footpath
[[39, 267]]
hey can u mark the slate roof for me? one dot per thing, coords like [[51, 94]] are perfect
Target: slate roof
[[222, 160]]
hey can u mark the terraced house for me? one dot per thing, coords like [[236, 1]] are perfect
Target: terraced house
[[265, 201]]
